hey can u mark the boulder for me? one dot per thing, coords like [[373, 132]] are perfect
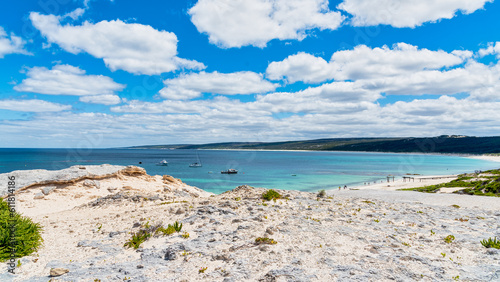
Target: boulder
[[55, 272], [47, 190]]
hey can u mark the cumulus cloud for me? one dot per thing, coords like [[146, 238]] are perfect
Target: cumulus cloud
[[460, 80], [364, 62], [108, 99], [408, 13], [34, 105], [192, 85], [67, 80], [492, 49], [135, 48], [11, 44], [236, 23], [301, 67]]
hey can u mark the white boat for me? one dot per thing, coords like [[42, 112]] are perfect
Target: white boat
[[163, 163], [198, 163], [229, 171]]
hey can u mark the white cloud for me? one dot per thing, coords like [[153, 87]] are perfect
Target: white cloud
[[36, 106], [460, 80], [108, 99], [11, 44], [135, 48], [236, 23], [75, 14], [193, 85], [364, 62], [300, 67], [169, 106], [407, 13], [493, 49], [67, 80], [216, 119]]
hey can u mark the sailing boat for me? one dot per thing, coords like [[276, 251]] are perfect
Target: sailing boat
[[198, 163]]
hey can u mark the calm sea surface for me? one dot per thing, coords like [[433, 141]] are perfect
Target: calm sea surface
[[305, 171]]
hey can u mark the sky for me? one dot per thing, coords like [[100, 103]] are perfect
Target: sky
[[115, 73]]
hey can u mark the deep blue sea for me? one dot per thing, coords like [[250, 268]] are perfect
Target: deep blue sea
[[297, 170]]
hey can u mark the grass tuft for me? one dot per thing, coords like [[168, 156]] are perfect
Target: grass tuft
[[137, 239], [491, 243]]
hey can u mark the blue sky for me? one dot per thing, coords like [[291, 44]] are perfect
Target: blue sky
[[101, 73]]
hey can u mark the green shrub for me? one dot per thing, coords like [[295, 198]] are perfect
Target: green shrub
[[27, 234], [450, 238], [321, 193], [166, 231], [202, 269], [271, 195], [171, 229], [265, 240], [491, 243], [137, 239]]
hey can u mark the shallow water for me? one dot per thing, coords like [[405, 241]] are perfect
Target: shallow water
[[293, 170]]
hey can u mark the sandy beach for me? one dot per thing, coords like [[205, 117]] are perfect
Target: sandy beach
[[412, 181], [370, 234], [487, 158]]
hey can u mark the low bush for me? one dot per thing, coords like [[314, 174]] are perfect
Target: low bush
[[321, 194], [450, 238], [27, 238], [271, 195], [265, 240]]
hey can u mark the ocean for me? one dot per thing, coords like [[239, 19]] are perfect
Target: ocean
[[290, 170]]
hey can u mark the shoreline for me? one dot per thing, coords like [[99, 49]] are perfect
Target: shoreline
[[417, 181], [486, 158]]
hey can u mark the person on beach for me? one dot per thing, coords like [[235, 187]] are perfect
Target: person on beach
[[339, 188], [345, 187]]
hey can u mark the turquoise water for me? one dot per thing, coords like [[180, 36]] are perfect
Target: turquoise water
[[305, 171]]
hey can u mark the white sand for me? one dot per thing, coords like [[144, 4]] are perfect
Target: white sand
[[417, 181], [358, 235], [487, 158]]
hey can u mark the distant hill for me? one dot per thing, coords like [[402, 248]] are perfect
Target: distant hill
[[452, 144]]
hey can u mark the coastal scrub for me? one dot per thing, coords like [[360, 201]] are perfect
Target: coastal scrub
[[27, 238], [271, 195], [486, 183]]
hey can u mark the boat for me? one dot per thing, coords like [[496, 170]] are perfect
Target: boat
[[229, 171], [198, 163], [163, 163]]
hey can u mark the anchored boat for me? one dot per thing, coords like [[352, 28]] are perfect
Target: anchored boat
[[163, 163]]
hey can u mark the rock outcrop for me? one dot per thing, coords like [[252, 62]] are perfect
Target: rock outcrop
[[91, 173]]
